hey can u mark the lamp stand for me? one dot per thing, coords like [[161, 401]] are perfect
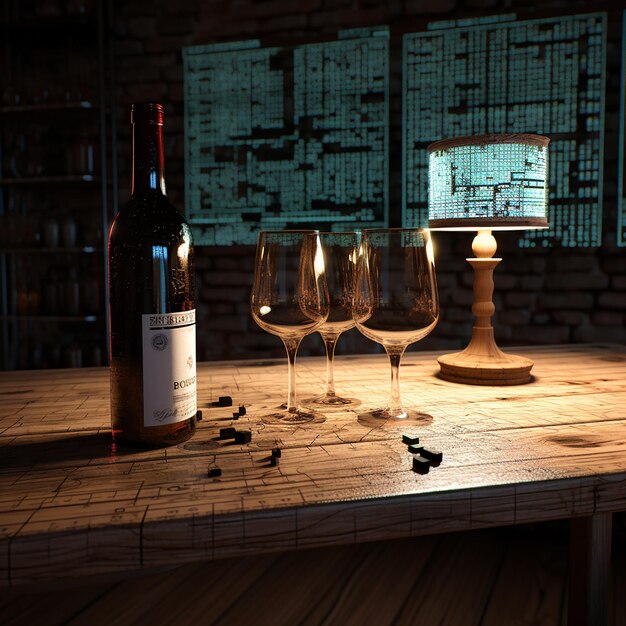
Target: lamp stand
[[482, 362]]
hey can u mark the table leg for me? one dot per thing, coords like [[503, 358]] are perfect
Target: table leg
[[589, 569]]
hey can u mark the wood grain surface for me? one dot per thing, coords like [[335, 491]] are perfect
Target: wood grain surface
[[72, 504], [497, 577]]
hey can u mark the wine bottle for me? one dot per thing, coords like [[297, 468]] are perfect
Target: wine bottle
[[151, 307]]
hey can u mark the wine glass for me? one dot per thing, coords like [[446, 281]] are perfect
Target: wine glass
[[340, 255], [290, 298], [396, 301]]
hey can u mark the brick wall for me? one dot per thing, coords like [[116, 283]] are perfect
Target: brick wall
[[542, 295]]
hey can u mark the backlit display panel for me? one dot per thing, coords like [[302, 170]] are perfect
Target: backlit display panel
[[286, 137], [545, 76]]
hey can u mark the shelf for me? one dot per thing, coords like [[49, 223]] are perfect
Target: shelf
[[53, 180], [69, 55], [59, 250], [50, 318], [78, 105]]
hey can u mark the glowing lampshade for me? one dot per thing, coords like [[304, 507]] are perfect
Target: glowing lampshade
[[488, 182]]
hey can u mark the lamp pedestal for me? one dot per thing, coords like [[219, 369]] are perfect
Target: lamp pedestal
[[482, 362]]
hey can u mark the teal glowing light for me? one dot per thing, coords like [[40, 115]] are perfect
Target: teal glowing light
[[488, 181], [286, 137], [546, 76]]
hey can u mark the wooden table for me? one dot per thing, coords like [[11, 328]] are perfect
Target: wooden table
[[71, 504]]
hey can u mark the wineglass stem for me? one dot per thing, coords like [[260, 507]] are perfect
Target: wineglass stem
[[291, 345], [395, 405], [330, 341]]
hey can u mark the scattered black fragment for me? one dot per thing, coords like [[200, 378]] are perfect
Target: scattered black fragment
[[420, 464], [214, 472], [198, 416], [236, 415], [409, 440], [243, 436], [225, 401], [433, 455], [416, 449], [277, 453], [242, 409], [228, 433]]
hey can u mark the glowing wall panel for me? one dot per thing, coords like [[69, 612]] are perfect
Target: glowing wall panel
[[287, 137], [546, 76]]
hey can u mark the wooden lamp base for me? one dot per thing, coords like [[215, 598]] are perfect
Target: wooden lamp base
[[479, 366], [482, 362]]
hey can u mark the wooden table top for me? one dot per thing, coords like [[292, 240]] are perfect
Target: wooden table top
[[70, 505]]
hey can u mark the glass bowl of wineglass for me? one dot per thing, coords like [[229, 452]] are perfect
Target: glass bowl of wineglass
[[340, 256], [290, 299], [396, 301]]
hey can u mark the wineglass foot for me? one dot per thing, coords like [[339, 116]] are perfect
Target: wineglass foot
[[382, 418], [332, 401], [293, 418]]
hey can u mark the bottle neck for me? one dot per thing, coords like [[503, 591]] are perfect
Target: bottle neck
[[148, 161]]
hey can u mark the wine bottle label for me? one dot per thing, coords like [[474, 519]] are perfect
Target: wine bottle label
[[169, 367]]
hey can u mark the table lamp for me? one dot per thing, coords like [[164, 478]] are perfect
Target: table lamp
[[484, 183]]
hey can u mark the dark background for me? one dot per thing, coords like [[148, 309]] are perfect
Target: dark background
[[541, 296]]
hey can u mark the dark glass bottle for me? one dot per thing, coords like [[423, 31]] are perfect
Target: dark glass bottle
[[151, 308]]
